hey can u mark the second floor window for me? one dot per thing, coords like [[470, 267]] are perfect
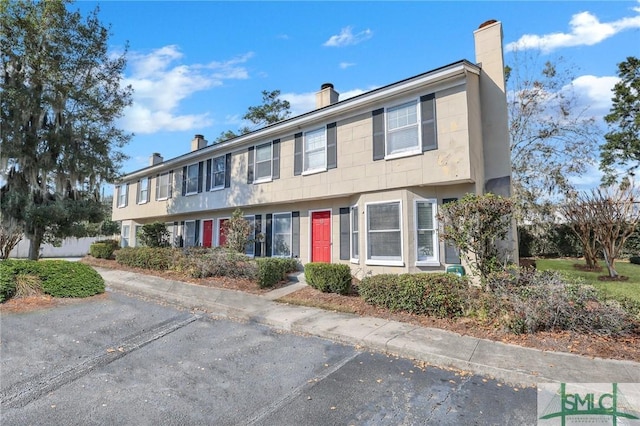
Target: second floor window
[[402, 128], [122, 195], [143, 191], [217, 172], [263, 162], [192, 179], [163, 186], [315, 146]]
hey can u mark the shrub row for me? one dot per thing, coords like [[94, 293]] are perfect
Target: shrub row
[[156, 258], [217, 262], [329, 277], [58, 278], [272, 270], [101, 250], [437, 294]]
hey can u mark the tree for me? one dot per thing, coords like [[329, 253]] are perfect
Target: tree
[[61, 96], [476, 224], [552, 138], [272, 110], [582, 223], [154, 235], [237, 231], [10, 236], [622, 145]]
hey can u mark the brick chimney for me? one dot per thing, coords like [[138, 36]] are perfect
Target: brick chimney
[[155, 159], [326, 96], [198, 142]]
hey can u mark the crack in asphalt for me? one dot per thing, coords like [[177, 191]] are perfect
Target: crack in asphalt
[[23, 393]]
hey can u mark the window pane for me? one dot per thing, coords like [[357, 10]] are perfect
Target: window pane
[[218, 164], [402, 140], [190, 234], [384, 217], [163, 186], [402, 115], [425, 245], [385, 245], [218, 180], [314, 160], [192, 178], [263, 152], [314, 150], [263, 170], [425, 215], [282, 224]]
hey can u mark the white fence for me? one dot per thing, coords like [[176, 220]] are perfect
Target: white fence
[[70, 247]]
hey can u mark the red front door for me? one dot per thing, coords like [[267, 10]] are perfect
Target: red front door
[[207, 231], [321, 236], [222, 238]]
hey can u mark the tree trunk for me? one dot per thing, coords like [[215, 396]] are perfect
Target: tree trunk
[[610, 261], [35, 243]]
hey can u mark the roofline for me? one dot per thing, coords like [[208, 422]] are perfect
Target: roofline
[[441, 73]]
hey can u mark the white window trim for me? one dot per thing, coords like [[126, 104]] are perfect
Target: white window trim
[[169, 185], [354, 259], [125, 236], [311, 231], [304, 152], [122, 203], [273, 233], [212, 174], [255, 163], [184, 231], [418, 149], [187, 179], [435, 259], [379, 262], [146, 198], [171, 228]]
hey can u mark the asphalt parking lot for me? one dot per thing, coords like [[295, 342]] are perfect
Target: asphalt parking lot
[[121, 359]]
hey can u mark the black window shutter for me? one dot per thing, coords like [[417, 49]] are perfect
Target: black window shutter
[[184, 181], [197, 233], [227, 171], [267, 237], [181, 242], [297, 154], [332, 146], [170, 193], [378, 134], [429, 131], [451, 254], [345, 233], [138, 193], [275, 171], [208, 174], [257, 230], [250, 166], [295, 235], [157, 186], [200, 175]]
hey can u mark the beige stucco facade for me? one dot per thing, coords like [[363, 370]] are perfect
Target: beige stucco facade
[[471, 149]]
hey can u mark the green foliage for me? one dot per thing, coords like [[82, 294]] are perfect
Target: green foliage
[[558, 240], [475, 224], [101, 250], [622, 147], [272, 270], [58, 278], [437, 294], [61, 99], [237, 231], [156, 258], [635, 260], [154, 235], [215, 262], [329, 277]]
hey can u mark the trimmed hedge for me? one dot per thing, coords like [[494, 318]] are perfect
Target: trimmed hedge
[[214, 262], [329, 277], [437, 294], [156, 258], [272, 270], [59, 278], [101, 250]]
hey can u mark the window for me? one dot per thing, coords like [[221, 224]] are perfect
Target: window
[[191, 179], [251, 246], [190, 233], [263, 162], [426, 232], [354, 233], [402, 129], [315, 147], [217, 172], [384, 236], [163, 186], [122, 195], [281, 235], [171, 233], [124, 237], [143, 191], [138, 229]]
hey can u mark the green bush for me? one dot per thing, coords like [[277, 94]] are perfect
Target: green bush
[[635, 260], [59, 278], [101, 250], [272, 270], [329, 277], [155, 258], [437, 294], [113, 243], [216, 262], [154, 235]]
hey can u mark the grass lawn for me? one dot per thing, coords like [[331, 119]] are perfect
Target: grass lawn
[[613, 289]]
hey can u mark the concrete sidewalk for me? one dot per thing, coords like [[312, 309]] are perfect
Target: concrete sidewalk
[[509, 363]]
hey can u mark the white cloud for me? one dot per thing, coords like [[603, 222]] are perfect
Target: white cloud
[[161, 83], [595, 93], [585, 30], [347, 38], [345, 65]]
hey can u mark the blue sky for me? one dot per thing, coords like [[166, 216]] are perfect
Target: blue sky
[[196, 66]]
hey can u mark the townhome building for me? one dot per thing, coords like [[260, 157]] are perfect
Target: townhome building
[[357, 181]]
